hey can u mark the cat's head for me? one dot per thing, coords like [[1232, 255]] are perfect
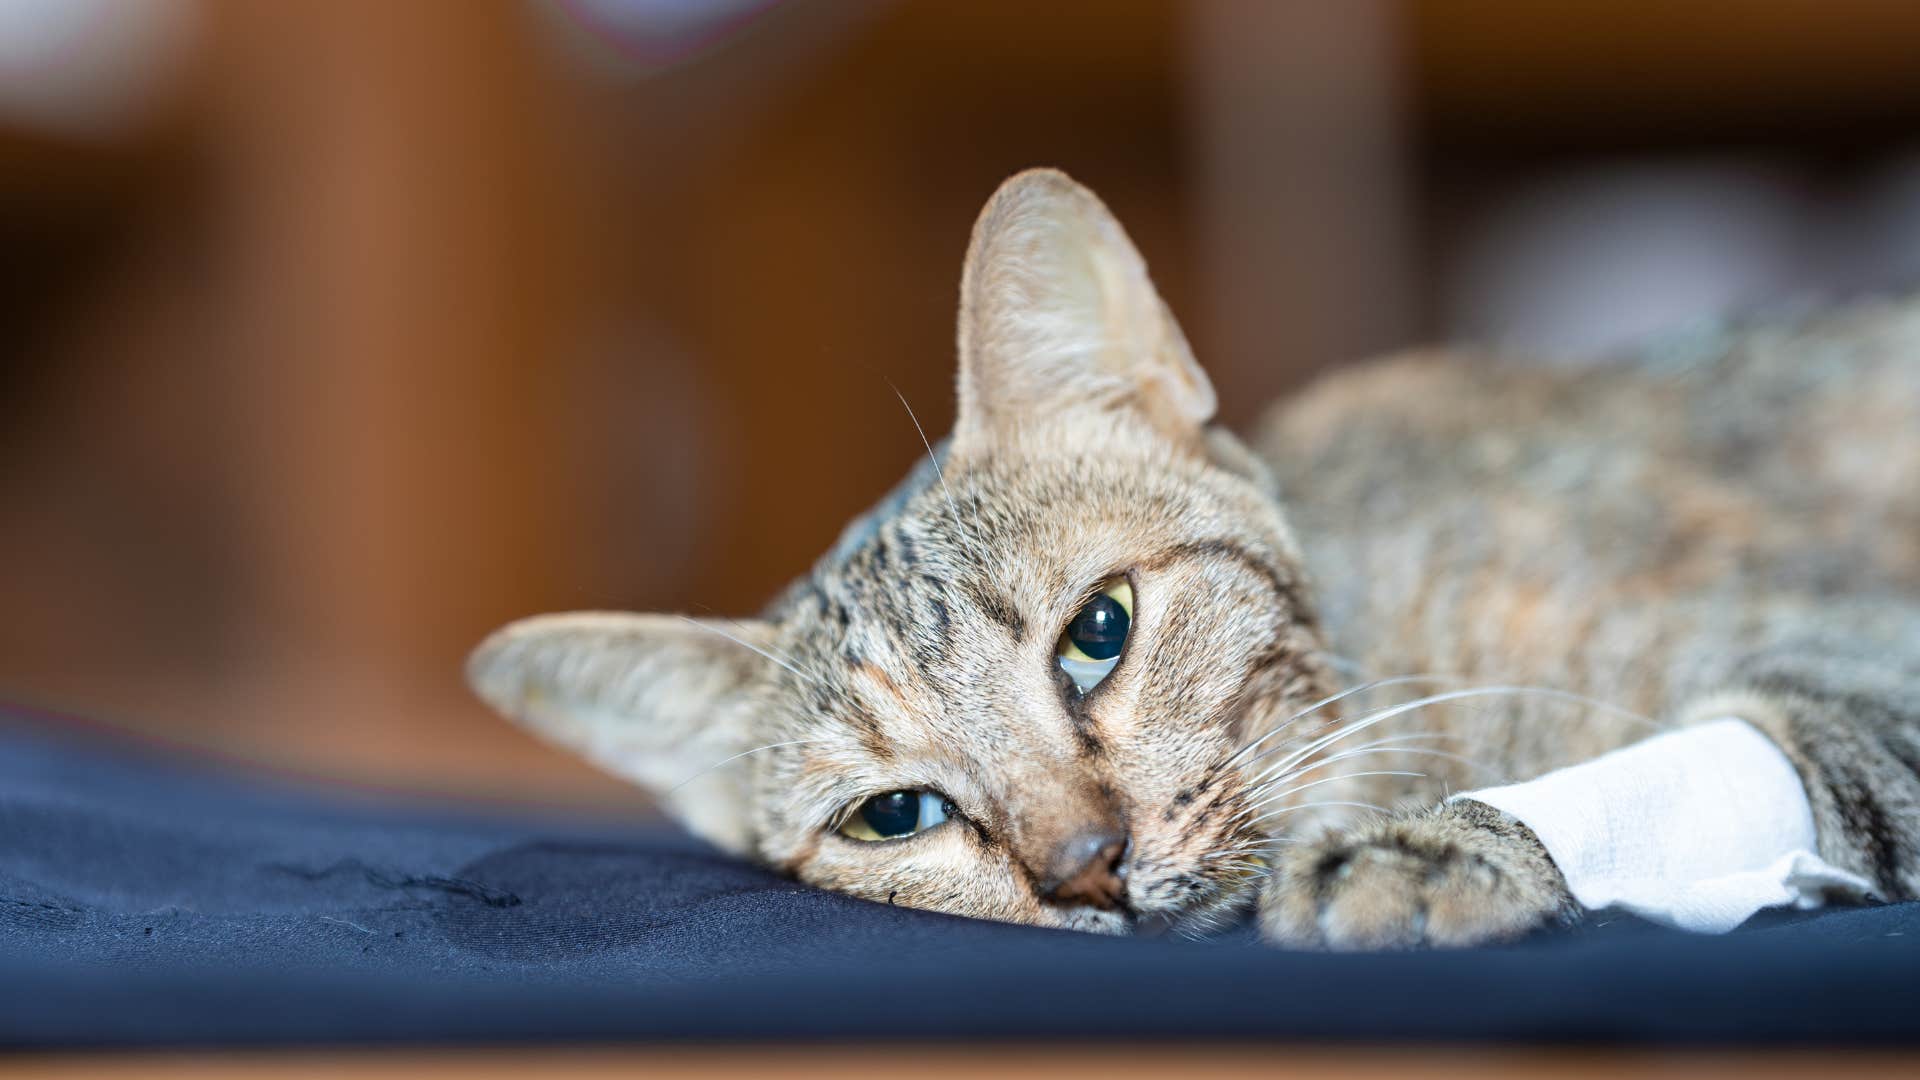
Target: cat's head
[[1012, 690]]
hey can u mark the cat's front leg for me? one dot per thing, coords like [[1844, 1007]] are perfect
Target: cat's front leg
[[1459, 874]]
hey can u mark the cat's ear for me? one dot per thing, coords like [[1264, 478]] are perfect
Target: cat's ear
[[1058, 318], [653, 698]]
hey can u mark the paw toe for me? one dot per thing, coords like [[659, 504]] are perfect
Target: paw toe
[[1407, 884], [1377, 904]]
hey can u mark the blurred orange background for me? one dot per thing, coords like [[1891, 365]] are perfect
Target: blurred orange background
[[334, 334]]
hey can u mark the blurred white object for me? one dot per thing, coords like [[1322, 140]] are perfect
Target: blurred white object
[[1877, 245], [89, 68], [1698, 829], [665, 18], [1603, 258], [657, 34]]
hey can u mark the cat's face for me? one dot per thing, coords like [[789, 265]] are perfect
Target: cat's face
[[1015, 690]]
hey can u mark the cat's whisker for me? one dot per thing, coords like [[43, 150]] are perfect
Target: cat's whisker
[[1386, 747], [1390, 744], [1583, 699], [1316, 707], [1242, 853], [737, 757], [770, 651], [1496, 775], [1267, 793], [1263, 850], [1377, 684], [1233, 849], [1374, 684], [1318, 805], [1360, 724], [953, 508], [1378, 716], [1565, 695], [1295, 753], [1239, 819], [1276, 774], [757, 650], [1346, 776]]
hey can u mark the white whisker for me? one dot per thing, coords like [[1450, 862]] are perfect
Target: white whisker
[[953, 509], [1345, 776], [1377, 684], [1381, 715], [1274, 773], [1390, 744], [736, 757], [757, 650], [1378, 716], [1315, 806], [771, 652], [1386, 748]]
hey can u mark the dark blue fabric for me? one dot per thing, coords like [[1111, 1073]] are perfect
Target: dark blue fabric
[[148, 902]]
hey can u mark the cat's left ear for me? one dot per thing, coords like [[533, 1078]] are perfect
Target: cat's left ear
[[1058, 318], [663, 701]]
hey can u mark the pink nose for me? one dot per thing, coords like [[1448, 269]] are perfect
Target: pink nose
[[1086, 871]]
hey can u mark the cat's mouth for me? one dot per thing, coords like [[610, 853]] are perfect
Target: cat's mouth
[[1163, 899], [1155, 925]]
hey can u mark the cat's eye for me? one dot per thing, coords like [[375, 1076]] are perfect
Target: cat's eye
[[1089, 647], [896, 814]]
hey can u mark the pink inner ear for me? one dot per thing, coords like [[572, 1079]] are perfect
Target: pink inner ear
[[1059, 315], [1179, 367]]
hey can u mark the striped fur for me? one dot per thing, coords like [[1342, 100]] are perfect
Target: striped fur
[[1728, 522]]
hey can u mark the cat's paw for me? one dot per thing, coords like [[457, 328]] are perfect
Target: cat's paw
[[1460, 874]]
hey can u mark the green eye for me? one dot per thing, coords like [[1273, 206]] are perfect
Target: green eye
[[894, 815], [1089, 648]]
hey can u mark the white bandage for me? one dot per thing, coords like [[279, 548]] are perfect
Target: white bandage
[[1697, 828]]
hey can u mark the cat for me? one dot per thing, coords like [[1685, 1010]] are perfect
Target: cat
[[1097, 664]]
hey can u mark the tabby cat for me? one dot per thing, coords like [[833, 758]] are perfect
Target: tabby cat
[[1088, 665]]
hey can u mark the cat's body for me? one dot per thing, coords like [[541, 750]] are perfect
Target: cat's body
[[1727, 525], [1726, 522]]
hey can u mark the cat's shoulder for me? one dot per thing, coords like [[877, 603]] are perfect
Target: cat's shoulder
[[1759, 363]]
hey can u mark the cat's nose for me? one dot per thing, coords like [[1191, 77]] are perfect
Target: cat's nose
[[1086, 871]]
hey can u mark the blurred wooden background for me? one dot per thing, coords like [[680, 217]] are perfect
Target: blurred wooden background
[[376, 325]]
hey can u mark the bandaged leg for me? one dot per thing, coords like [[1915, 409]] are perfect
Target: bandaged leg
[[1697, 828]]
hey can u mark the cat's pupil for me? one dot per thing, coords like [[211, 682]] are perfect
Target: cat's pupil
[[1100, 628], [894, 814]]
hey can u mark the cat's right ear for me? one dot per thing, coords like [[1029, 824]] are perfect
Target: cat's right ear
[[1059, 321], [655, 699]]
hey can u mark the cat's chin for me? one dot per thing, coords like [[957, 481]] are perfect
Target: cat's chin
[[1203, 916], [1089, 921]]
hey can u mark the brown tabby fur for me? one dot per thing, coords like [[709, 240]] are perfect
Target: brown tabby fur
[[1727, 523]]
